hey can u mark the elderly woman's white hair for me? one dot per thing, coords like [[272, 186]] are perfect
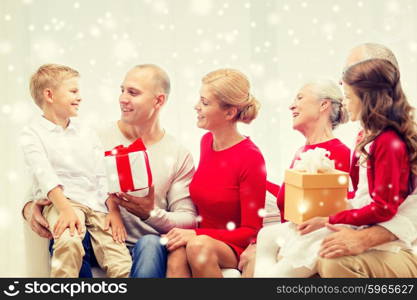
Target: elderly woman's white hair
[[326, 89]]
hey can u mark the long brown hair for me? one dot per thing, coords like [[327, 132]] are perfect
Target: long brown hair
[[384, 105]]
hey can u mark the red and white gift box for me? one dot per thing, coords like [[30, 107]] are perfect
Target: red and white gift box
[[128, 169]]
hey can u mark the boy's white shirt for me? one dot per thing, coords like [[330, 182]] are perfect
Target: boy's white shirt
[[71, 158]]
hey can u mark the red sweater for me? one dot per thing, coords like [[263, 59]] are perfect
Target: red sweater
[[338, 152], [388, 181], [229, 187]]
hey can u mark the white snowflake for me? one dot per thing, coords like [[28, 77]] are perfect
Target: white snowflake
[[393, 7], [5, 47], [342, 180], [273, 19], [230, 226], [262, 212], [202, 258], [95, 31], [125, 50], [163, 241], [201, 7], [303, 207], [412, 46], [12, 176], [206, 46]]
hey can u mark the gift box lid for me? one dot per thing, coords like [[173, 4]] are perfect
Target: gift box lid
[[335, 179]]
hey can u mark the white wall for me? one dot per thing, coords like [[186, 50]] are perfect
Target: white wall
[[278, 43]]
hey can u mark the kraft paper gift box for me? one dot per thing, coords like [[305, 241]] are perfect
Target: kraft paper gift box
[[128, 169], [310, 195]]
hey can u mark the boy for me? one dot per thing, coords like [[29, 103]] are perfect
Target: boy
[[65, 161]]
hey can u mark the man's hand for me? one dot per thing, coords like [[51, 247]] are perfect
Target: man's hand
[[32, 213], [139, 206], [312, 224], [178, 237], [343, 241]]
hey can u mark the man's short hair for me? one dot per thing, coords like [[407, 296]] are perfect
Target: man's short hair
[[160, 77], [49, 76]]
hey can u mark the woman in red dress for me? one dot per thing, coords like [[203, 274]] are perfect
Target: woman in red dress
[[229, 185]]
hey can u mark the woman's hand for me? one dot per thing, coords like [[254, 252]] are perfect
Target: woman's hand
[[312, 224], [178, 237]]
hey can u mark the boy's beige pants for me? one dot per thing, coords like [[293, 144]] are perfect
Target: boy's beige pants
[[113, 258]]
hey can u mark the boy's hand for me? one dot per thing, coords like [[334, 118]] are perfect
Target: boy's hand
[[114, 220], [67, 219], [312, 224]]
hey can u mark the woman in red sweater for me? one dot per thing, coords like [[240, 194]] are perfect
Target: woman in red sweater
[[317, 110], [384, 159], [229, 185]]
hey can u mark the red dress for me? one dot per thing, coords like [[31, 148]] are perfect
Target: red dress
[[228, 189], [338, 152]]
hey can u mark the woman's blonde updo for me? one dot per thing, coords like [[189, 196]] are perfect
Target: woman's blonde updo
[[232, 89]]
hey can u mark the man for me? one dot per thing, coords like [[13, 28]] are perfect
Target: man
[[144, 92], [344, 253]]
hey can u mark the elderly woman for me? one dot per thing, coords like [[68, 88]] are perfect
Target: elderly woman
[[229, 185], [317, 110]]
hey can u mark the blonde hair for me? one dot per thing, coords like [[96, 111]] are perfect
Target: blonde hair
[[326, 89], [232, 88], [49, 76]]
